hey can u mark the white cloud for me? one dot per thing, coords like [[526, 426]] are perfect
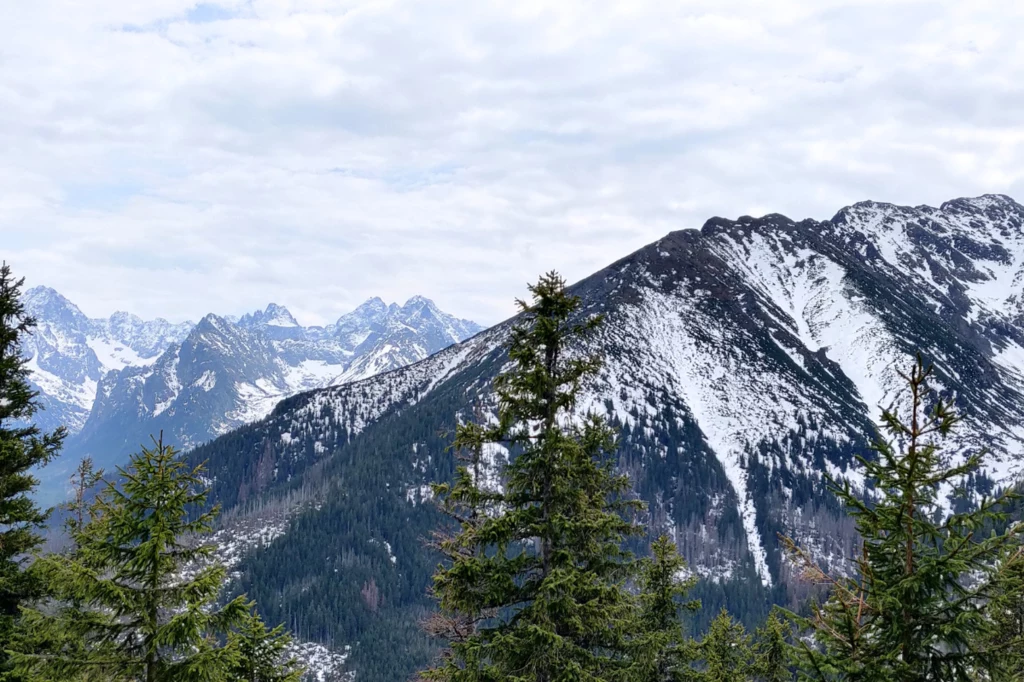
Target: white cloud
[[172, 158]]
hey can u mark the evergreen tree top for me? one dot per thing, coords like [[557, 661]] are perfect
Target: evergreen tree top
[[545, 377], [533, 588], [143, 587], [914, 609]]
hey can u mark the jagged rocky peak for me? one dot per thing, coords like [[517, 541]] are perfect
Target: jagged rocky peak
[[48, 305], [232, 343], [212, 322], [126, 320], [419, 309], [220, 373], [355, 327], [273, 315], [371, 308], [419, 302], [41, 294]]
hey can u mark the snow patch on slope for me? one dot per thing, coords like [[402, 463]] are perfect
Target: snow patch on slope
[[79, 394], [823, 311], [682, 351], [172, 383], [355, 405], [115, 355], [207, 381]]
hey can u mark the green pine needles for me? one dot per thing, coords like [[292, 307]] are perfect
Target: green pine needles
[[661, 649], [22, 448], [136, 598], [916, 606], [534, 587], [262, 652]]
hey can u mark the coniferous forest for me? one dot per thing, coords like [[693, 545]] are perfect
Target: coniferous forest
[[546, 570]]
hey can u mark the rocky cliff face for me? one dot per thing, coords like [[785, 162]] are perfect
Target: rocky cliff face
[[70, 353]]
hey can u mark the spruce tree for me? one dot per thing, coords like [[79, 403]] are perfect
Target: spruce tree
[[467, 501], [144, 587], [1005, 611], [539, 580], [83, 483], [662, 651], [772, 653], [51, 627], [22, 448], [725, 652], [914, 608], [262, 653]]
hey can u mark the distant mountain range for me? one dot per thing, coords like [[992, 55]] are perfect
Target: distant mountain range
[[743, 361], [115, 381], [71, 353]]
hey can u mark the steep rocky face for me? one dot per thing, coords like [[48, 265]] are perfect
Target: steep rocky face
[[403, 335], [70, 353], [224, 374], [743, 361]]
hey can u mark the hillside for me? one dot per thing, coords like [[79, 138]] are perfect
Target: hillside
[[743, 361]]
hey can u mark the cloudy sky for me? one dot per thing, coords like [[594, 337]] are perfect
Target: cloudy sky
[[173, 158]]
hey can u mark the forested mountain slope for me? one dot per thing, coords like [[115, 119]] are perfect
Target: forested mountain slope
[[744, 360]]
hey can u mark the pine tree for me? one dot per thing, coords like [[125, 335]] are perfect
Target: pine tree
[[52, 627], [83, 482], [915, 607], [468, 501], [22, 448], [1005, 611], [725, 651], [262, 652], [662, 651], [771, 652], [541, 577], [147, 589]]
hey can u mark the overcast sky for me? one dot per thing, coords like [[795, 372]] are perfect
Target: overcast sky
[[174, 159]]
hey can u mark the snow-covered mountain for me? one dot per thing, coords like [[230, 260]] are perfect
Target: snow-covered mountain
[[114, 382], [70, 353], [743, 361]]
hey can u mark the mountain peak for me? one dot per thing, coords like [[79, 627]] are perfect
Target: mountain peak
[[213, 322], [418, 300], [278, 316], [42, 293], [996, 205], [42, 298], [371, 311], [374, 304], [273, 315], [417, 306], [984, 202], [121, 317]]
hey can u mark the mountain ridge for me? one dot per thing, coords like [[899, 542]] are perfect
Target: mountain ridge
[[114, 381], [744, 360]]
